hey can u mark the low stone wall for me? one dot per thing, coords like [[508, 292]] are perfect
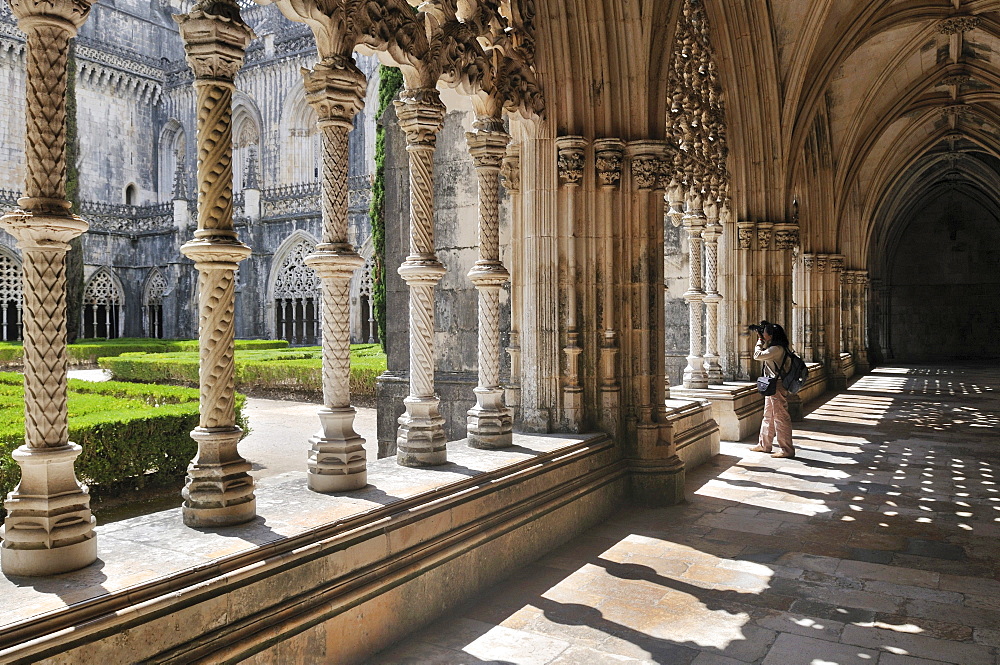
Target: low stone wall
[[696, 434], [342, 591], [453, 388], [815, 386]]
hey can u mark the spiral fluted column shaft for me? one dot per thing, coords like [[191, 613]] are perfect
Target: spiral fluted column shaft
[[489, 422], [49, 528], [420, 440], [712, 299], [335, 88], [219, 489], [695, 375]]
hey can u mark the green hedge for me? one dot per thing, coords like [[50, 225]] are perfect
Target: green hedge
[[127, 430], [88, 351], [298, 369]]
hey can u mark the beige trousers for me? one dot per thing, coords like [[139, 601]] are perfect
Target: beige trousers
[[777, 422]]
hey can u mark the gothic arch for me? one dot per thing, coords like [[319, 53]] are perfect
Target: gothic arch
[[10, 295], [103, 305], [294, 291], [172, 148], [247, 124], [152, 303], [299, 139]]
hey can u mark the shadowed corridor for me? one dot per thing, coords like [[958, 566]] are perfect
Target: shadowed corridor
[[876, 545]]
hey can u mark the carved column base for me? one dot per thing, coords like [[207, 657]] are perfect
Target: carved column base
[[656, 475], [694, 374], [219, 489], [421, 440], [49, 528], [337, 461], [713, 370], [489, 423]]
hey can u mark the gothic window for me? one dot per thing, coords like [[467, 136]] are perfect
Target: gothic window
[[172, 167], [300, 161], [246, 154], [102, 306], [131, 195], [152, 303], [296, 297], [10, 297]]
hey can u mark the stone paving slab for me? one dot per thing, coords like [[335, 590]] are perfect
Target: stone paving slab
[[875, 546]]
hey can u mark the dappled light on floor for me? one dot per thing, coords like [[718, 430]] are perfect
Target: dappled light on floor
[[876, 544]]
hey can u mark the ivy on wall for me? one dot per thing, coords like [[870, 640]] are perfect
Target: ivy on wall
[[74, 259], [390, 81]]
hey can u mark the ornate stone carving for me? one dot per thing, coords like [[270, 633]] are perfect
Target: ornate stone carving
[[489, 421], [420, 440], [957, 79], [954, 110], [786, 236], [608, 157], [571, 158], [745, 233], [219, 489], [957, 24], [510, 169], [712, 298], [764, 235], [809, 262]]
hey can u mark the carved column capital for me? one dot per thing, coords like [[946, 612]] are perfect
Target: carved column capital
[[836, 263], [745, 232], [764, 235], [646, 159], [488, 143], [215, 40], [510, 168], [421, 116], [809, 262], [786, 236], [335, 88], [571, 159], [66, 14], [822, 261], [609, 154]]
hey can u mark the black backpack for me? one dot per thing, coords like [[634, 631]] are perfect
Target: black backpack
[[797, 373]]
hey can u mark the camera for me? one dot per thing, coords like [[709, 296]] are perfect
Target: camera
[[758, 327]]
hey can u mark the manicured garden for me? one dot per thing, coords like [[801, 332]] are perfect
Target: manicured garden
[[87, 351], [128, 431], [258, 371]]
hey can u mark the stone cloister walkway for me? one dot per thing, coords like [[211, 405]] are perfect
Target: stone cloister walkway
[[878, 545]]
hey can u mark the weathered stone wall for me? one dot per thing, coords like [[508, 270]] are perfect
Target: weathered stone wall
[[945, 284]]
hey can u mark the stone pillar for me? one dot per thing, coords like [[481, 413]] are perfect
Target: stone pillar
[[747, 309], [219, 489], [49, 528], [834, 322], [571, 160], [861, 361], [510, 174], [335, 88], [489, 421], [609, 155], [694, 221], [420, 440], [711, 236]]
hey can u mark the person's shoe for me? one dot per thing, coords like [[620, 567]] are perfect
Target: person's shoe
[[783, 454], [759, 449]]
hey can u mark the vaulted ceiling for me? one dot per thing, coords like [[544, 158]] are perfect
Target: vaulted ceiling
[[859, 109]]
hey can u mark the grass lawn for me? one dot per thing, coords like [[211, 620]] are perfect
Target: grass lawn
[[87, 351], [296, 369]]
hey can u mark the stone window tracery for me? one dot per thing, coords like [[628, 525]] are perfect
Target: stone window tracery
[[369, 331], [152, 304], [296, 297], [102, 306], [10, 297]]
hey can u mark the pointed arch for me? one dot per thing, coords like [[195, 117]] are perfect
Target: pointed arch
[[247, 128], [299, 139], [294, 291], [10, 295], [152, 303], [103, 305], [172, 150]]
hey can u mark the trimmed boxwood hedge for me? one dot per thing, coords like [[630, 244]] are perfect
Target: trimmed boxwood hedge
[[299, 369], [127, 430], [86, 352]]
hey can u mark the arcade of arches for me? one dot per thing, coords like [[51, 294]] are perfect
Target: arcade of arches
[[832, 164]]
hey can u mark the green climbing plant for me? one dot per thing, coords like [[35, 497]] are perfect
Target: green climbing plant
[[74, 258], [390, 81]]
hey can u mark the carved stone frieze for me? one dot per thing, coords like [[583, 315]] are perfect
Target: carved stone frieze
[[956, 24]]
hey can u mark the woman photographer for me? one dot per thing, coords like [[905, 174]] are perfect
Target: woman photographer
[[772, 351]]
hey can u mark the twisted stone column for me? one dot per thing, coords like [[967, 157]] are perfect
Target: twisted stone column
[[510, 175], [489, 421], [336, 90], [420, 440], [609, 158], [694, 221], [49, 528], [219, 489], [711, 236]]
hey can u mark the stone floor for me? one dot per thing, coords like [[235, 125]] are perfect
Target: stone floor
[[877, 545]]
